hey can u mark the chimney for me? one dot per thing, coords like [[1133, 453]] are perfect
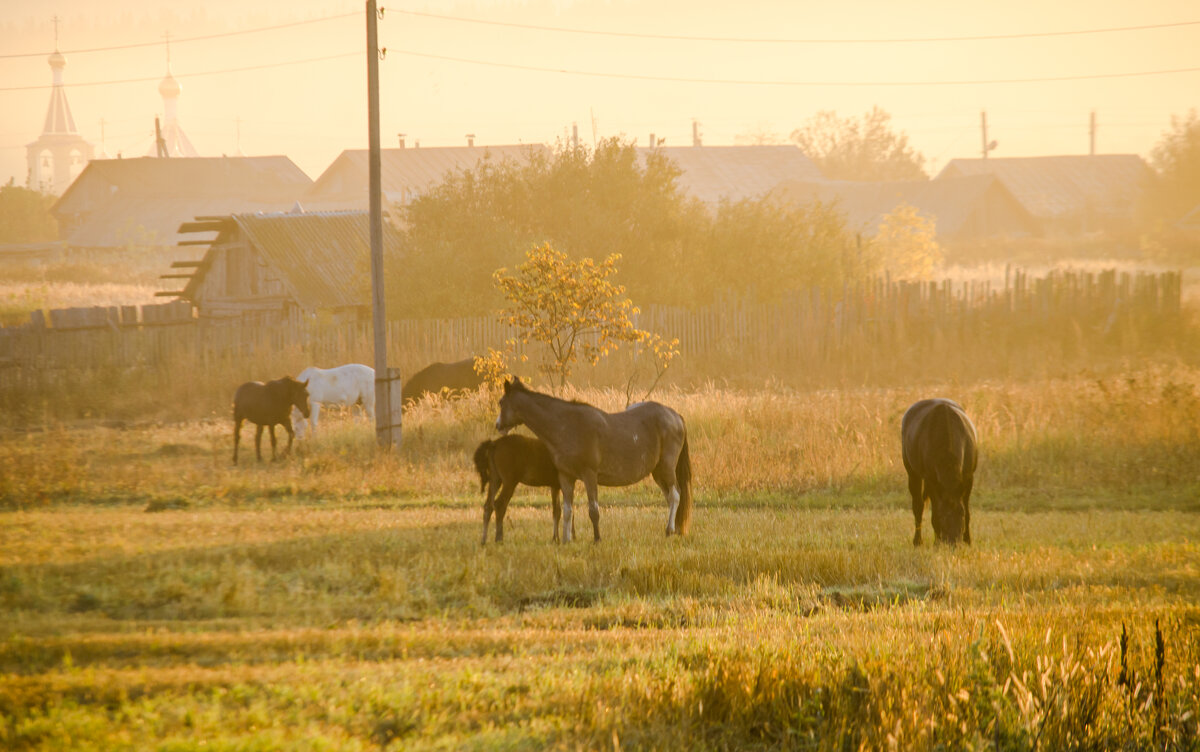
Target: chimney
[[695, 133], [470, 139], [653, 143], [574, 136], [401, 135]]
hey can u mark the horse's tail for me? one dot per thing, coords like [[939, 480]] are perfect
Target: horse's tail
[[683, 479], [483, 463]]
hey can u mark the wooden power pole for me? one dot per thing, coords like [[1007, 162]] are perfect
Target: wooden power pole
[[387, 381]]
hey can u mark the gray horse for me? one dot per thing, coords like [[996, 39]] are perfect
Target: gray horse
[[606, 449], [938, 445]]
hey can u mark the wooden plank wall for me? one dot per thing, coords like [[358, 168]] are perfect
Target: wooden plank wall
[[858, 324]]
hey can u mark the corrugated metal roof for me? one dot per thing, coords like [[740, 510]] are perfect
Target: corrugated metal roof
[[1062, 186], [713, 173], [406, 173], [112, 198], [950, 202], [323, 258]]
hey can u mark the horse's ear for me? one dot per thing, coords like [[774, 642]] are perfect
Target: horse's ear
[[507, 386]]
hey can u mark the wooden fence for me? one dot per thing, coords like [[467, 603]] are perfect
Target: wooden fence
[[858, 327]]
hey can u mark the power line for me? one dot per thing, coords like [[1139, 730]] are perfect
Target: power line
[[761, 82], [768, 40], [191, 75], [186, 39]]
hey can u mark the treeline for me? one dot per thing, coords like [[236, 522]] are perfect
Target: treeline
[[593, 203]]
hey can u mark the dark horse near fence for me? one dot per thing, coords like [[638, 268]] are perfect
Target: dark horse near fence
[[939, 448], [502, 464], [268, 405], [452, 378], [606, 449]]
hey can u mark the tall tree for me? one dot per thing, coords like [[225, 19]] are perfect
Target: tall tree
[[1176, 159], [865, 148]]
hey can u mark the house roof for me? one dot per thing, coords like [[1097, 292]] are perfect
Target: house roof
[[144, 200], [713, 173], [323, 258], [951, 202], [1059, 186], [406, 173]]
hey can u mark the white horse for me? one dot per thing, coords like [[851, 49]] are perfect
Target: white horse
[[345, 385]]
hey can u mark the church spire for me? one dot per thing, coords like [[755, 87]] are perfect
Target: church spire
[[178, 144], [60, 153]]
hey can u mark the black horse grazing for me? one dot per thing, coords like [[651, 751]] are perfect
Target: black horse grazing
[[502, 464], [939, 449], [606, 449], [455, 378], [268, 404]]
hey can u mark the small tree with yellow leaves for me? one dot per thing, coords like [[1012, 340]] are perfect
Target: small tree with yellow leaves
[[573, 308], [907, 245]]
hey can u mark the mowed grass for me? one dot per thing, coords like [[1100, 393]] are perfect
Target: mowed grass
[[156, 597]]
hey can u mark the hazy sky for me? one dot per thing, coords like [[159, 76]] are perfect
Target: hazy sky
[[657, 66]]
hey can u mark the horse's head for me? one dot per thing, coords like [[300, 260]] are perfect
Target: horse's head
[[298, 395], [508, 419], [949, 514]]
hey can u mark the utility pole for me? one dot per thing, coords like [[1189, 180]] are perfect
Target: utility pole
[[987, 145], [1092, 134], [160, 143], [387, 416]]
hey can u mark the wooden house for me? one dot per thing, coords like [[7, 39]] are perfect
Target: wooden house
[[119, 204], [273, 268], [732, 173], [965, 208], [1067, 194], [405, 172]]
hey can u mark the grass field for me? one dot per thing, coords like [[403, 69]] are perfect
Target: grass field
[[156, 597]]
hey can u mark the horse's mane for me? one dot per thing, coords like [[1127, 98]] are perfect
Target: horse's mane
[[522, 387]]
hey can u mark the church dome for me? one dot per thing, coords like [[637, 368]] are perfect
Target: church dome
[[169, 87], [57, 60]]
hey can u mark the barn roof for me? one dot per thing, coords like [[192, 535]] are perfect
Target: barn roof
[[714, 173], [951, 202], [144, 200], [406, 173], [1061, 186], [322, 258]]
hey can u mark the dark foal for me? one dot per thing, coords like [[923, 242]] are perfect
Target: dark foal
[[506, 462], [939, 450], [268, 405]]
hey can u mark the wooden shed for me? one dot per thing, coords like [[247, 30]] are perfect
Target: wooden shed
[[274, 268]]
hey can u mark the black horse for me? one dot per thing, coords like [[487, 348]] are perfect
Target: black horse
[[268, 404], [502, 464], [606, 449], [453, 379], [938, 445]]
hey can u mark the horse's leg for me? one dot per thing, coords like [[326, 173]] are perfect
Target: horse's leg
[[488, 506], [589, 484], [506, 492], [917, 490], [567, 484], [967, 511], [556, 506], [272, 431], [291, 435], [666, 482], [258, 429], [237, 436], [314, 411], [368, 403]]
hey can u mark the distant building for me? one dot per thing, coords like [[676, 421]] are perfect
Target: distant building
[[123, 203], [963, 208], [406, 172], [272, 268], [60, 153], [715, 173], [1068, 194], [175, 141]]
